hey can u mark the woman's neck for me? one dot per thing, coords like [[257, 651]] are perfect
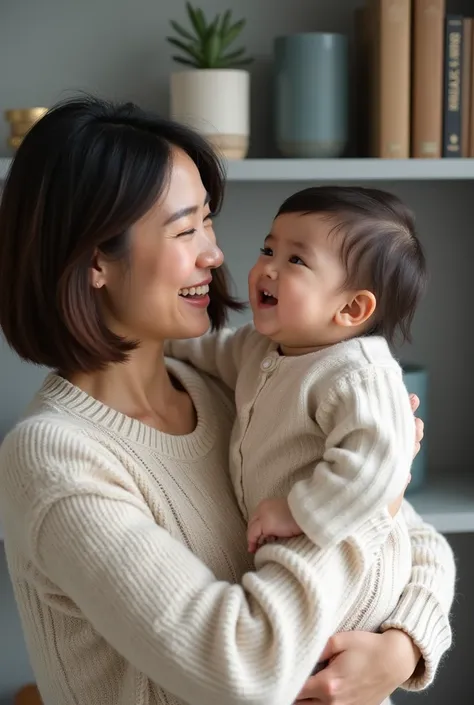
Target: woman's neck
[[140, 388]]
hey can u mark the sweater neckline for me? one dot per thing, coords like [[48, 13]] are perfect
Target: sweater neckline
[[72, 400]]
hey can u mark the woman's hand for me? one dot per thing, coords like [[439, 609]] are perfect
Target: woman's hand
[[363, 669], [419, 425], [419, 429]]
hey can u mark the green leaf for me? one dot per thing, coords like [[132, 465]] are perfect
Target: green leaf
[[212, 27], [187, 48], [197, 20], [232, 33], [201, 21], [183, 32], [225, 23], [213, 48], [186, 62], [233, 55], [234, 63]]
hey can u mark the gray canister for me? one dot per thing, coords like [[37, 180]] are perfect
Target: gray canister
[[311, 94]]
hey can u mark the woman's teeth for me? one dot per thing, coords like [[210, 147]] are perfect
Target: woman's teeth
[[195, 291]]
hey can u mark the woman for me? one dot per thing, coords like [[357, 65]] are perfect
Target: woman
[[124, 542]]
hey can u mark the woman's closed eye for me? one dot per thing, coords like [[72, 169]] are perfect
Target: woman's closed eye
[[207, 223]]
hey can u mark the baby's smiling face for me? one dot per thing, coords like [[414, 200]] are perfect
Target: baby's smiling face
[[296, 287]]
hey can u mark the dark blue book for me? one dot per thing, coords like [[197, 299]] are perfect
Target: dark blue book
[[452, 101]]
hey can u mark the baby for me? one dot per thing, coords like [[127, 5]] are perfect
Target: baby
[[324, 434]]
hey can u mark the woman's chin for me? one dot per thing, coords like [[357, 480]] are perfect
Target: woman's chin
[[197, 327]]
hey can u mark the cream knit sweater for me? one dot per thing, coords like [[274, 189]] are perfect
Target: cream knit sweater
[[331, 430], [127, 555]]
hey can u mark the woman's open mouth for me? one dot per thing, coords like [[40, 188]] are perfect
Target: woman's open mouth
[[196, 295]]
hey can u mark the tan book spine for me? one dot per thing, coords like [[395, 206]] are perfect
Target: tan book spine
[[427, 78], [392, 68], [466, 104]]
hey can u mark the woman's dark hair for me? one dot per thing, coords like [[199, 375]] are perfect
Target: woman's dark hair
[[379, 249], [83, 175]]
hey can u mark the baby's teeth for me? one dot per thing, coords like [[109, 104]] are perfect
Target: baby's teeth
[[192, 290], [184, 292]]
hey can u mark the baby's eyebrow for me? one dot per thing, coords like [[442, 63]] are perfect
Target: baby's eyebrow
[[298, 245]]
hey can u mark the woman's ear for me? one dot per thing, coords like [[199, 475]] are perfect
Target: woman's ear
[[357, 311], [97, 271]]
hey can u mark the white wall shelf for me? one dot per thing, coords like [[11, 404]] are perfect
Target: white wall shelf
[[447, 503], [339, 169], [350, 169]]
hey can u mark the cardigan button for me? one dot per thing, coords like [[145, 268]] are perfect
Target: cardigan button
[[267, 364]]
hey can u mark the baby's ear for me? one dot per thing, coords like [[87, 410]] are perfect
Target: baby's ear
[[357, 310]]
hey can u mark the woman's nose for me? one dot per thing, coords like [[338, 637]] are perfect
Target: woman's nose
[[211, 257]]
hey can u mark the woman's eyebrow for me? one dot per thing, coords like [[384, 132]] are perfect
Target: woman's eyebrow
[[187, 210]]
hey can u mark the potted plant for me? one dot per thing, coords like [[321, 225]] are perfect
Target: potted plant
[[213, 96]]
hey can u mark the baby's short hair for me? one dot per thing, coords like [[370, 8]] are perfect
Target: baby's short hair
[[379, 249]]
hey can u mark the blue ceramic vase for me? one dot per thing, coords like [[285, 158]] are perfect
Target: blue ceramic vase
[[311, 94]]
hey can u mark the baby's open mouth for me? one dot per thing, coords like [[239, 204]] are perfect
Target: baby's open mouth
[[267, 298]]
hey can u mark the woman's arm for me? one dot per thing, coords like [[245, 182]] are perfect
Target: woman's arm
[[157, 604], [374, 665], [424, 607]]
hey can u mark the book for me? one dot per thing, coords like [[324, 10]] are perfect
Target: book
[[390, 22], [427, 78], [452, 108], [466, 100]]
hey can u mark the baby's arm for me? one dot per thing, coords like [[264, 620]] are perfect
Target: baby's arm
[[370, 435], [219, 354]]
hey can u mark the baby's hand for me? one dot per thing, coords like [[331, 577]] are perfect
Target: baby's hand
[[272, 519]]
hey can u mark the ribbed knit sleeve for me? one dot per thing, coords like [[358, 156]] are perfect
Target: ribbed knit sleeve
[[204, 640], [424, 606], [370, 436], [220, 354]]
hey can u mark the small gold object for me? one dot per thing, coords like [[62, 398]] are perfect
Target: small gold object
[[21, 121]]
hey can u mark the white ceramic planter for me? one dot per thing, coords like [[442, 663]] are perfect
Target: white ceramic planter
[[216, 103]]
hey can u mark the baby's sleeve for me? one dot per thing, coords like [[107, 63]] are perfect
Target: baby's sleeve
[[370, 437], [220, 354]]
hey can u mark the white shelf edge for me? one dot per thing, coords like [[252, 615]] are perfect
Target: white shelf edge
[[338, 169], [350, 169]]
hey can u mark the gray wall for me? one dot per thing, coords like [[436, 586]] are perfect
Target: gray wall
[[51, 48]]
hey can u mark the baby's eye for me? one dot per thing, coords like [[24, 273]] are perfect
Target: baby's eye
[[294, 259], [267, 251]]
